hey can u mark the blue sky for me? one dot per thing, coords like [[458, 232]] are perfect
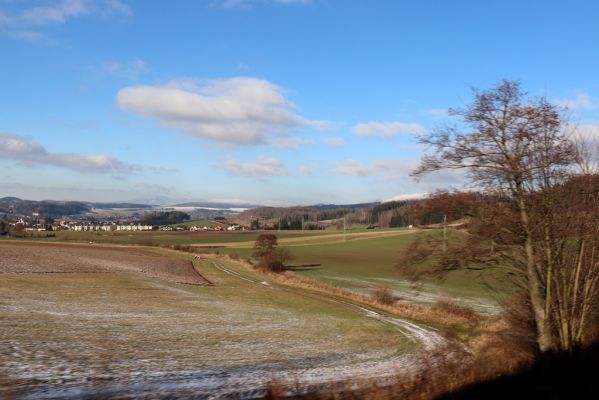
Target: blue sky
[[265, 101]]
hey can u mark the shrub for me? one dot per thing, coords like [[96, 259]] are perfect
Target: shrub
[[275, 260], [450, 306], [383, 295]]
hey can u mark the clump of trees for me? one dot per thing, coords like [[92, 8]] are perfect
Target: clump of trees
[[165, 218], [538, 220], [269, 256], [4, 226]]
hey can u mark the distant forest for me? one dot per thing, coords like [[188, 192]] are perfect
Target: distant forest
[[165, 218], [426, 211]]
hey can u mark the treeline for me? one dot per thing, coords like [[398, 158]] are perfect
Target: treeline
[[430, 210], [165, 218], [4, 226], [433, 209]]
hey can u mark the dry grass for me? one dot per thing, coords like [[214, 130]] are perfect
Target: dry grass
[[383, 295], [450, 306], [442, 371]]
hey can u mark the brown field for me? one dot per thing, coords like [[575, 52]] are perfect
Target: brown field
[[92, 321], [62, 258]]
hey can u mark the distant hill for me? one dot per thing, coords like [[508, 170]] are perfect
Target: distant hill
[[209, 204], [155, 200], [45, 208], [323, 207], [54, 208], [293, 216], [120, 205]]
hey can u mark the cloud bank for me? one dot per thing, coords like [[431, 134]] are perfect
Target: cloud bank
[[262, 167], [582, 102], [234, 111], [375, 167], [397, 172], [25, 151]]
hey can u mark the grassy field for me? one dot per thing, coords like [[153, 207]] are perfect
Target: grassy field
[[359, 263], [77, 328], [357, 260]]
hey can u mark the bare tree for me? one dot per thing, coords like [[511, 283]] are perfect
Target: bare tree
[[515, 147], [269, 256], [265, 244]]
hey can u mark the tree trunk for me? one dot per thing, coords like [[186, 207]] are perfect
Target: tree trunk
[[535, 290]]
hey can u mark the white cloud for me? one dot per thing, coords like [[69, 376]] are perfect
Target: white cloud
[[95, 192], [236, 4], [387, 129], [18, 23], [129, 69], [435, 112], [57, 13], [334, 141], [263, 166], [588, 132], [582, 102], [61, 11], [111, 7], [398, 172], [247, 4], [234, 111], [23, 150], [289, 142], [375, 167]]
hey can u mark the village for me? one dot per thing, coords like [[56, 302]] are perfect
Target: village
[[17, 226]]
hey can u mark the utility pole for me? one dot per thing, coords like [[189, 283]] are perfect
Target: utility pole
[[344, 236], [444, 233], [302, 223], [279, 224]]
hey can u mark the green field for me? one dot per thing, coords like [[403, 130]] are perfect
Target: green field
[[358, 260], [360, 265]]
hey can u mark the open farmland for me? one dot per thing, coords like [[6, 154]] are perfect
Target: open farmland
[[114, 319], [357, 260], [201, 222], [360, 261], [165, 237]]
